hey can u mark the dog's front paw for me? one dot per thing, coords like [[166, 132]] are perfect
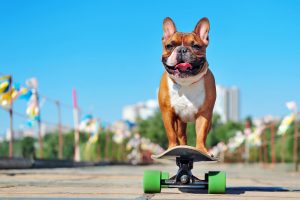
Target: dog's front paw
[[203, 150], [172, 145]]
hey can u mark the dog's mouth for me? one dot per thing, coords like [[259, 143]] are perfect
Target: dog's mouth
[[185, 69], [181, 67]]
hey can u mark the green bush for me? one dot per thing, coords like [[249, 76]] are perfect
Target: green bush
[[27, 145], [4, 148], [153, 128], [50, 146]]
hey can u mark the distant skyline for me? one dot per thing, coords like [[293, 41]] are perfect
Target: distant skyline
[[110, 51]]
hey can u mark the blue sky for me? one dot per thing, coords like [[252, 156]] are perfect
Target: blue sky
[[110, 51]]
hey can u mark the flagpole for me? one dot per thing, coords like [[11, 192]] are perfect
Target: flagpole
[[60, 137], [296, 160], [283, 140], [40, 137], [76, 128], [273, 150], [292, 105], [11, 139], [247, 132]]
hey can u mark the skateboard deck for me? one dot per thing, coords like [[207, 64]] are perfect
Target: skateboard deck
[[184, 151]]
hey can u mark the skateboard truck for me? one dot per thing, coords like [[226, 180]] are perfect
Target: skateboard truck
[[214, 181], [184, 174], [184, 177]]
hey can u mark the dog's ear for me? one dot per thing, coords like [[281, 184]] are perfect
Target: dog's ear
[[202, 29], [169, 28]]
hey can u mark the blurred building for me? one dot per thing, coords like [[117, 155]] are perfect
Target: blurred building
[[141, 110], [228, 103]]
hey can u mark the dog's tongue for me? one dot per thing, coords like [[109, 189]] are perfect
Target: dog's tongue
[[183, 66]]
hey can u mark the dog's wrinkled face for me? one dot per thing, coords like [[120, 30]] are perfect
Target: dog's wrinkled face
[[184, 54]]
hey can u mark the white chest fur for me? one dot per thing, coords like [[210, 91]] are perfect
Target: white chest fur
[[186, 100]]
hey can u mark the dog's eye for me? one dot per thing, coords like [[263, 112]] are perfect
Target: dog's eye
[[196, 47], [169, 46]]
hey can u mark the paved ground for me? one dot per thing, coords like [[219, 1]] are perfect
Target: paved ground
[[125, 182]]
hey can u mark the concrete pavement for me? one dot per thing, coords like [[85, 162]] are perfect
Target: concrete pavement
[[125, 182]]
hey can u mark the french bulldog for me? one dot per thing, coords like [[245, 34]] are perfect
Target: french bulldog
[[187, 91]]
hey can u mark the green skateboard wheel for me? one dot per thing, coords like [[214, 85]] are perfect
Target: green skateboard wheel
[[216, 182], [152, 181], [165, 175]]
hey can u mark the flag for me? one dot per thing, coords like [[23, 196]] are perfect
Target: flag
[[33, 110], [32, 83], [30, 95], [17, 91], [90, 125], [285, 124], [5, 100], [25, 94], [4, 87], [5, 93], [10, 92]]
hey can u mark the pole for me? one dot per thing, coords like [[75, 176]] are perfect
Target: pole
[[114, 152], [76, 128], [266, 160], [296, 160], [123, 151], [107, 141], [60, 137], [273, 150], [261, 147], [283, 140], [99, 156], [40, 137], [247, 132], [260, 155], [11, 138]]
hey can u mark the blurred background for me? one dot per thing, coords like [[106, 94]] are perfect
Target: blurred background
[[79, 79]]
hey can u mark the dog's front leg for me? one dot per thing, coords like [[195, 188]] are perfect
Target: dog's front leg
[[181, 132], [169, 123], [202, 129]]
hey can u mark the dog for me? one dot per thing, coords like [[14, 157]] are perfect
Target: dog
[[187, 91]]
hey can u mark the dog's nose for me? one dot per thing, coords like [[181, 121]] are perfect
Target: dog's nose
[[182, 50]]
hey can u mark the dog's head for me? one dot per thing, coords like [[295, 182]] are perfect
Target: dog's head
[[184, 54]]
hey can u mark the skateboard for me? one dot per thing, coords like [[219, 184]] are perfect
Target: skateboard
[[185, 156]]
